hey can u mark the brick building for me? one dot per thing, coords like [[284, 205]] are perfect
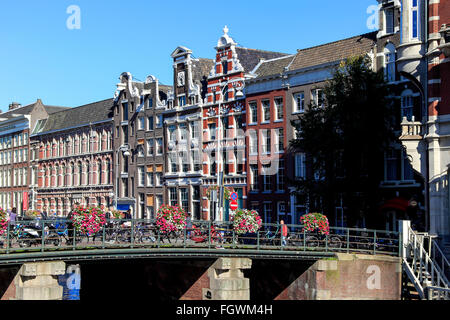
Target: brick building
[[183, 131], [139, 145], [422, 56], [224, 124], [267, 143], [72, 150], [15, 127]]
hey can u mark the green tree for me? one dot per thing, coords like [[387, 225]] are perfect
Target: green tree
[[345, 141]]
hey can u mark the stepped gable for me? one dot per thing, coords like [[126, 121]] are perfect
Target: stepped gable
[[334, 51]]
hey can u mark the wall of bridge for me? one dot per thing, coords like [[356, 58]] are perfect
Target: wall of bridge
[[347, 276]]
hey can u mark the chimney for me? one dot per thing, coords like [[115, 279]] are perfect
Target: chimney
[[14, 105]]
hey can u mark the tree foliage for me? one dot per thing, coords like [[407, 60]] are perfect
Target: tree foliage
[[345, 141]]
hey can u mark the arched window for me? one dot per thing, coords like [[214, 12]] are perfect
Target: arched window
[[108, 172], [389, 62], [99, 172], [72, 174], [80, 173], [88, 173], [407, 106]]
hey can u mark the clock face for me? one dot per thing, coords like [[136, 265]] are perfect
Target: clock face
[[180, 79]]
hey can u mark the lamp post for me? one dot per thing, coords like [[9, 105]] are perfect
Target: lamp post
[[124, 148], [220, 186]]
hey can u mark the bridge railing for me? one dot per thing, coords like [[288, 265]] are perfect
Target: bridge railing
[[51, 235]]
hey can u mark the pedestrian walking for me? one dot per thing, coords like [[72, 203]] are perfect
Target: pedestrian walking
[[284, 233]]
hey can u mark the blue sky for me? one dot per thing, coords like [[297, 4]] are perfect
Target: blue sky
[[41, 58]]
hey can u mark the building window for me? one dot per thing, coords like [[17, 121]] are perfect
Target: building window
[[159, 146], [253, 112], [181, 101], [183, 131], [159, 121], [414, 19], [150, 123], [158, 178], [150, 103], [253, 142], [265, 104], [194, 130], [212, 131], [389, 20], [300, 167], [254, 177], [173, 162], [267, 209], [150, 147], [173, 196], [280, 175], [141, 174], [317, 97], [150, 179], [184, 199], [125, 111], [141, 123], [389, 62], [280, 140], [140, 150], [279, 113], [266, 141], [267, 178], [407, 105], [299, 102]]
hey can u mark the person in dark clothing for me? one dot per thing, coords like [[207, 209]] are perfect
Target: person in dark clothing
[[70, 226], [44, 214]]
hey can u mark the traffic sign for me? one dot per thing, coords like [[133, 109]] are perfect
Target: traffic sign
[[234, 196], [233, 205]]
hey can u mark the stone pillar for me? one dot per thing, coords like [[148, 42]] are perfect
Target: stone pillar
[[39, 281], [226, 280]]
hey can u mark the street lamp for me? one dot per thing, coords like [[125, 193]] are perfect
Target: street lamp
[[219, 205], [125, 151]]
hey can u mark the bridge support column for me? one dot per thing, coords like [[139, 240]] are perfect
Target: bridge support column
[[226, 280], [39, 281]]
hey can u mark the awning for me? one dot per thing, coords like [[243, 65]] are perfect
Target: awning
[[396, 203]]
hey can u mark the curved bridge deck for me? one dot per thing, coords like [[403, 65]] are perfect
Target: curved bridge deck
[[134, 239]]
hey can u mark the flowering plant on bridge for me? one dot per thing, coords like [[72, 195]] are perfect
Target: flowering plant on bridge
[[3, 220], [170, 218], [245, 221], [315, 221], [88, 220]]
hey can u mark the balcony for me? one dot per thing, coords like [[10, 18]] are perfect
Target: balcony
[[412, 138], [411, 130]]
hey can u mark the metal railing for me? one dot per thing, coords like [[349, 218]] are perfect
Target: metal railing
[[422, 270], [54, 235]]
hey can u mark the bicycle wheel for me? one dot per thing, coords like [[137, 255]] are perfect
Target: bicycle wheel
[[335, 242], [312, 241]]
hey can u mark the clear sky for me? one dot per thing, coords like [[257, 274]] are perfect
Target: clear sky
[[40, 57]]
